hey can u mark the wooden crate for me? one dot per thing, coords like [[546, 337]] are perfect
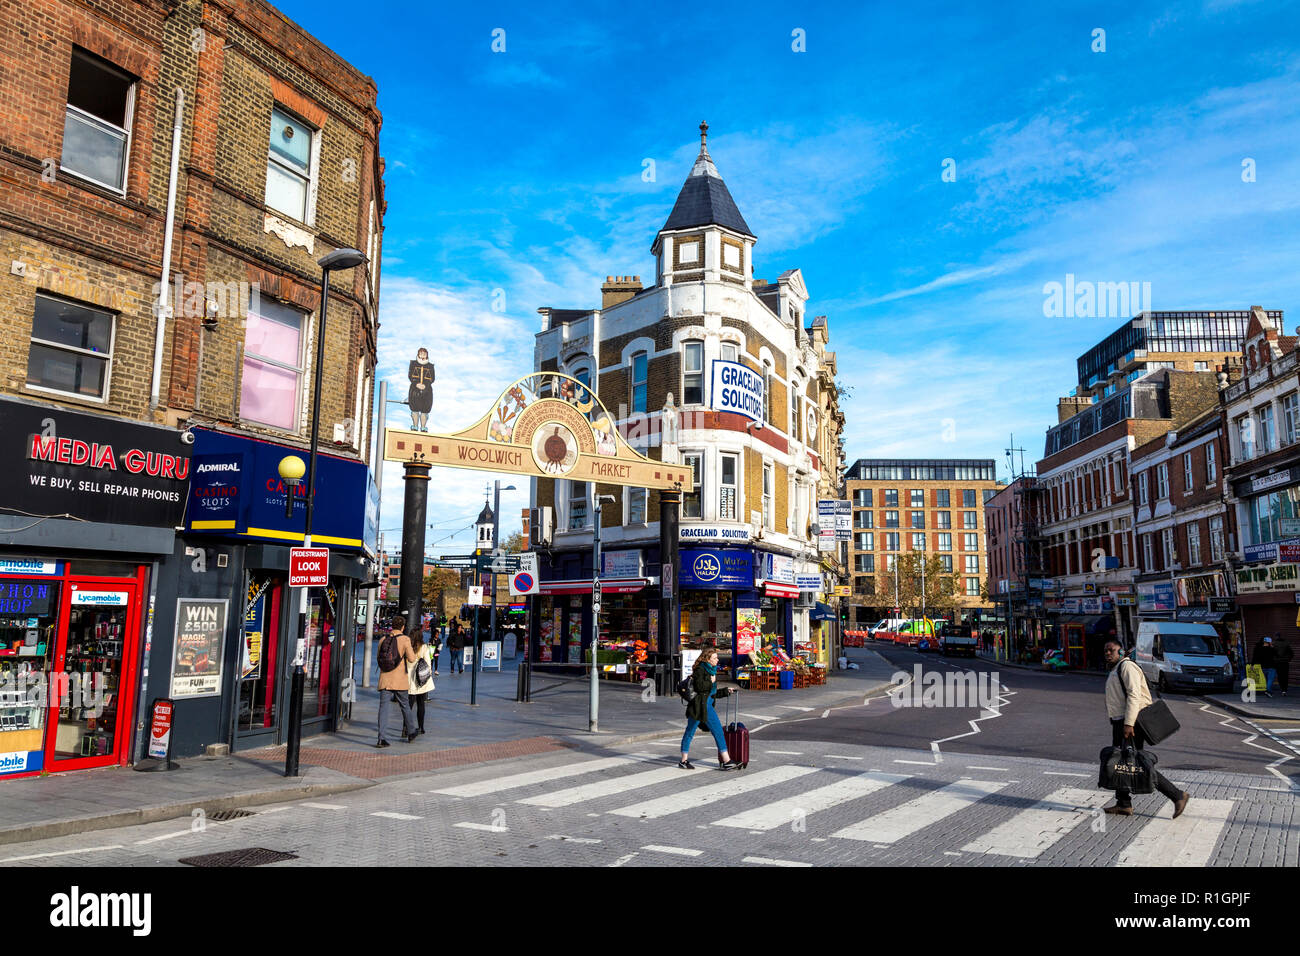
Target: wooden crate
[[762, 681]]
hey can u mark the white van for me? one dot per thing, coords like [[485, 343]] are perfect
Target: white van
[[1180, 656], [888, 624]]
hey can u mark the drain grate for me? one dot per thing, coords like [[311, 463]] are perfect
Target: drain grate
[[251, 856], [221, 816]]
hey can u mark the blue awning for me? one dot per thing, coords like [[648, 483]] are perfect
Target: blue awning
[[821, 612]]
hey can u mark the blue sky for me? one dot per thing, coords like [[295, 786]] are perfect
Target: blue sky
[[522, 172]]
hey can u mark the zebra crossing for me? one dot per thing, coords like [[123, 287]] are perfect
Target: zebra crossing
[[1000, 820]]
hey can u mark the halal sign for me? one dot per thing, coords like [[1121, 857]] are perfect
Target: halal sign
[[707, 567]]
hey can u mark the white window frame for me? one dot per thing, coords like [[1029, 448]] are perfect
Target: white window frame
[[1216, 538], [628, 495], [59, 346], [1162, 481], [794, 411], [584, 500], [644, 382], [1167, 546], [730, 352], [1187, 471], [1193, 544], [1148, 554], [769, 496], [313, 165], [697, 483], [734, 485], [129, 115], [1291, 417], [306, 336], [1244, 428], [1143, 496], [1211, 465], [688, 374], [1267, 432]]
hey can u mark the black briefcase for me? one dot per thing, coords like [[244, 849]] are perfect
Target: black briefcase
[[1127, 768], [1156, 722]]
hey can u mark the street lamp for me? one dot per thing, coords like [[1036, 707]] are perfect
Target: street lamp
[[492, 583], [338, 259], [593, 716], [291, 469]]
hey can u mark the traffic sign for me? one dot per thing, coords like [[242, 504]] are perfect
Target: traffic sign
[[475, 596], [309, 567], [523, 582], [502, 563], [595, 596]]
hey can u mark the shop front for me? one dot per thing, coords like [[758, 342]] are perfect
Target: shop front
[[1268, 592], [90, 505], [231, 679], [720, 608]]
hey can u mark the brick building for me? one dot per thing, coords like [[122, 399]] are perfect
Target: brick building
[[197, 370], [1184, 530], [929, 506], [1261, 413], [649, 354], [1016, 579], [1085, 510]]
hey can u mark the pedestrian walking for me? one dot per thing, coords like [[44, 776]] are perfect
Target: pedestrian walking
[[1126, 695], [456, 646], [1265, 657], [421, 680], [395, 654], [699, 710], [436, 646], [1282, 654]]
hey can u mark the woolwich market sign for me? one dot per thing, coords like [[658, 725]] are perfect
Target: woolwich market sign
[[545, 425]]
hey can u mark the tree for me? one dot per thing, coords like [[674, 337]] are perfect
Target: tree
[[515, 543], [941, 587], [435, 583]]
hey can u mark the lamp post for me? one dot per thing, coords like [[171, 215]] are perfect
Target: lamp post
[[492, 583], [594, 715], [338, 259]]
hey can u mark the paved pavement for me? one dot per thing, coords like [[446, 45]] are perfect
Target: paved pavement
[[496, 729], [814, 804]]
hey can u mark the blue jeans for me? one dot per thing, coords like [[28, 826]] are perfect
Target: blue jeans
[[714, 725], [387, 698], [1270, 679]]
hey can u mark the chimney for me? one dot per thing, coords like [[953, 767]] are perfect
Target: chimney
[[1071, 405], [618, 289]]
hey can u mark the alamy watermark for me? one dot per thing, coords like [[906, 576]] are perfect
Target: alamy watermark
[[1083, 299], [952, 689]]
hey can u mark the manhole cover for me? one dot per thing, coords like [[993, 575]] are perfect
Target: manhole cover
[[252, 856], [220, 816]]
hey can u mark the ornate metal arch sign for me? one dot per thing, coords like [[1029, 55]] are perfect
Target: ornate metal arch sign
[[545, 425]]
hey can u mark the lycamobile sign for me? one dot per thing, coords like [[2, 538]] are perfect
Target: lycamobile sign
[[736, 388]]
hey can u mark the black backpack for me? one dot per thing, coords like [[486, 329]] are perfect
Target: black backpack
[[686, 689], [389, 657]]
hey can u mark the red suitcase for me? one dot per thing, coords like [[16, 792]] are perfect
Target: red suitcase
[[737, 734]]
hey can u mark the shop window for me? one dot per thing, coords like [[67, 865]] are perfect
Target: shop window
[[29, 614], [71, 349], [97, 121], [636, 498], [692, 497], [693, 373], [257, 669], [640, 362], [289, 176], [707, 623], [271, 385], [728, 487]]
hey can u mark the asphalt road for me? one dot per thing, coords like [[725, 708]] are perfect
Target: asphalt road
[[1045, 715]]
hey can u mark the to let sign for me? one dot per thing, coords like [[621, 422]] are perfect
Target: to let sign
[[309, 567]]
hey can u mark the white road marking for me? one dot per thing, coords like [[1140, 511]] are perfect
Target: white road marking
[[497, 784], [42, 856], [759, 717], [673, 850], [826, 712], [806, 710], [1030, 832], [389, 814], [166, 836], [569, 839], [787, 753], [1058, 773], [902, 821], [772, 815], [767, 861], [843, 757], [945, 852], [733, 786], [623, 859], [883, 846], [1187, 841], [998, 769], [324, 806], [1279, 730], [605, 788], [491, 828], [919, 763]]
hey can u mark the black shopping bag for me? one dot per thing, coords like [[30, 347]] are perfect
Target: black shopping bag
[[1127, 768]]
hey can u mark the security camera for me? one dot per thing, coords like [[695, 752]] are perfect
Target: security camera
[[753, 426], [187, 437], [210, 319]]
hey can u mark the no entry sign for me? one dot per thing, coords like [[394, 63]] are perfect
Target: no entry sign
[[309, 567]]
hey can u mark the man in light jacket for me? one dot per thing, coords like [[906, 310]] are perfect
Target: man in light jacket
[[394, 684], [1126, 695]]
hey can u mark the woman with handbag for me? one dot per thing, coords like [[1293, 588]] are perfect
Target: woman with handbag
[[421, 678], [1126, 696]]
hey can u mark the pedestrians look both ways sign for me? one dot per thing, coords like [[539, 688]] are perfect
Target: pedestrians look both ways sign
[[309, 567]]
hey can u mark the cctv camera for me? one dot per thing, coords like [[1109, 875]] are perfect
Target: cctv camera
[[187, 437], [754, 426]]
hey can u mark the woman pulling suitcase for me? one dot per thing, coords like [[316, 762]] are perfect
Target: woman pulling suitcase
[[699, 710]]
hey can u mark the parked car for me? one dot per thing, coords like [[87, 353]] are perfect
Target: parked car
[[1174, 655]]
